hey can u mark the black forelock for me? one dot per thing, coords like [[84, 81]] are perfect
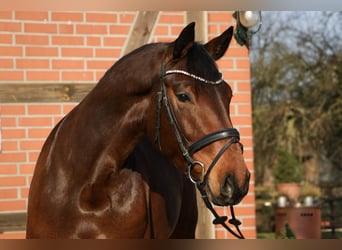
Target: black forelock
[[200, 63]]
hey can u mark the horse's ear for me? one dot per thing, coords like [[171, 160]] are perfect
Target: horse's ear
[[218, 46], [184, 40]]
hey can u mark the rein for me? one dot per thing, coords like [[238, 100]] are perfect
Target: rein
[[191, 149]]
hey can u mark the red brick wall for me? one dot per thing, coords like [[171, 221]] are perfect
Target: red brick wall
[[64, 47]]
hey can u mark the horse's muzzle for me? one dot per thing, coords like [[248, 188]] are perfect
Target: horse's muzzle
[[230, 193]]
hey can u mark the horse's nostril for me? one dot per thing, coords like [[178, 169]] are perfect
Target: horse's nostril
[[227, 187]]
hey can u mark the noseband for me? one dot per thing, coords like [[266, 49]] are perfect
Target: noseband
[[191, 149]]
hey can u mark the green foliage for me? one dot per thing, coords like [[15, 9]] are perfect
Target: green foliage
[[296, 91], [287, 168], [310, 190]]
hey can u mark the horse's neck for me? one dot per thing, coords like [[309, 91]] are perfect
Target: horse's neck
[[109, 122], [113, 131]]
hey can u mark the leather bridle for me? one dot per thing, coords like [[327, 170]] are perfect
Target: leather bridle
[[189, 150]]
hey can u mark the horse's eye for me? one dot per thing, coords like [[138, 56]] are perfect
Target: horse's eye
[[183, 97]]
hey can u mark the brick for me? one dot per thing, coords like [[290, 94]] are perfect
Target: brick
[[248, 199], [67, 108], [169, 18], [249, 164], [114, 41], [24, 192], [40, 28], [33, 156], [244, 97], [224, 26], [11, 75], [8, 121], [12, 109], [175, 30], [244, 87], [32, 39], [12, 157], [67, 64], [221, 234], [119, 29], [246, 131], [15, 205], [249, 233], [161, 31], [13, 133], [35, 122], [243, 64], [212, 29], [126, 17], [6, 63], [31, 15], [67, 16], [29, 179], [67, 40], [32, 63], [66, 28], [57, 119], [241, 120], [42, 75], [8, 169], [224, 17], [225, 64], [91, 29], [77, 76], [10, 27], [99, 75], [244, 210], [77, 52], [41, 51], [248, 142], [112, 53], [27, 169], [31, 145], [12, 181], [101, 17], [45, 109], [8, 193], [9, 146], [237, 75], [237, 52], [93, 41], [5, 14], [244, 109], [39, 133], [11, 51], [99, 64], [6, 38]]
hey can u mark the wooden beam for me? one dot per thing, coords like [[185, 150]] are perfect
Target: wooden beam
[[141, 31], [43, 92]]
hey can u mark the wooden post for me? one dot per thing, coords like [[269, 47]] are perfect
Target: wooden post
[[205, 229], [142, 30]]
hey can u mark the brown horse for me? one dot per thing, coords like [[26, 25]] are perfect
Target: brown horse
[[107, 170]]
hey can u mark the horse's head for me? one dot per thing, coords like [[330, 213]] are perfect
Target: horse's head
[[193, 115]]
